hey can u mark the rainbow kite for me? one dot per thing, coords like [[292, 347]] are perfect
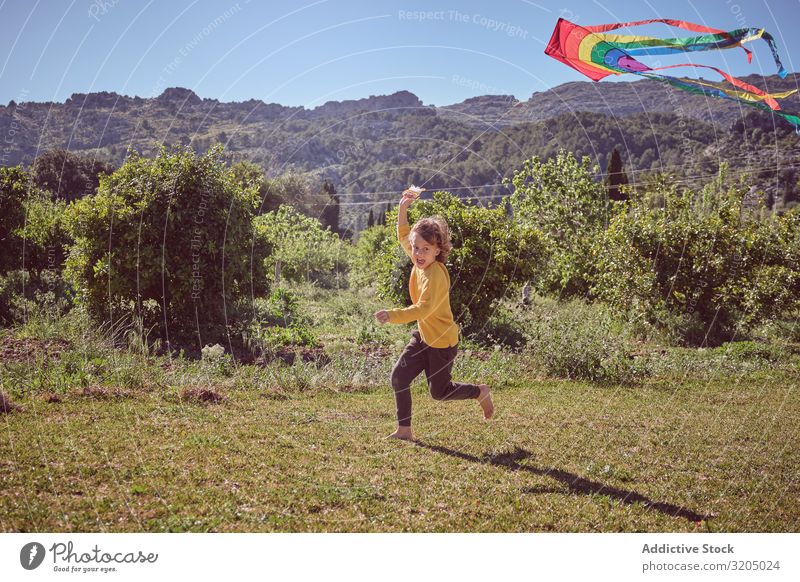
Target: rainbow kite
[[597, 55]]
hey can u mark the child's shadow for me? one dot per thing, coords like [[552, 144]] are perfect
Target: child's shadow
[[575, 483]]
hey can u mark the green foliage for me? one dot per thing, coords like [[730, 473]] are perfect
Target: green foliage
[[34, 242], [561, 198], [68, 175], [249, 175], [25, 294], [749, 350], [278, 322], [491, 255], [177, 230], [14, 185], [44, 233], [215, 359], [280, 308], [293, 335], [579, 341], [297, 190], [306, 251], [699, 265], [504, 328], [365, 256]]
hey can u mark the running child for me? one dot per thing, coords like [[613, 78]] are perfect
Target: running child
[[433, 344]]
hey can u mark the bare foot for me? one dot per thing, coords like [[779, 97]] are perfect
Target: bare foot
[[485, 400], [403, 433]]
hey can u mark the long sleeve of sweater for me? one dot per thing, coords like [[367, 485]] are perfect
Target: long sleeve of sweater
[[431, 296], [403, 231]]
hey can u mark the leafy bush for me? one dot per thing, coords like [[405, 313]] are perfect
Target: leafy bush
[[699, 266], [176, 229], [34, 246], [68, 175], [44, 233], [14, 185], [25, 294], [280, 308], [215, 358], [504, 327], [749, 350], [278, 322], [248, 174], [300, 191], [370, 333], [277, 336], [491, 255], [581, 341], [364, 268], [561, 198], [782, 329], [306, 251]]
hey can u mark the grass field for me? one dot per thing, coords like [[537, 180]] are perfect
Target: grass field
[[109, 440]]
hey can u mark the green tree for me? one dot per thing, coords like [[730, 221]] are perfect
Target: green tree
[[561, 198], [297, 190], [170, 241], [330, 213], [14, 185], [615, 176], [700, 266], [250, 175], [34, 243], [365, 262], [306, 251], [68, 175]]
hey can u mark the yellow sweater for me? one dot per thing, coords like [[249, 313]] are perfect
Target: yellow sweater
[[430, 294]]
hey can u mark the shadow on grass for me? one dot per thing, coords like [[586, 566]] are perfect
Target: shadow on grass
[[575, 483]]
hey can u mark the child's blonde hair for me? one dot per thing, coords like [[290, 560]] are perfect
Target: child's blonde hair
[[434, 230]]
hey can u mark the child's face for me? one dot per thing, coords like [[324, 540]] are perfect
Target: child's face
[[424, 252]]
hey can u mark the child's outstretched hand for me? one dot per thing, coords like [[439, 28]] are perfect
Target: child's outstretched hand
[[406, 201], [382, 316], [410, 195]]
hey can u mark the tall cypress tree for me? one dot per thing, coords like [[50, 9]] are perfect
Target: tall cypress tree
[[370, 219], [615, 176], [330, 214]]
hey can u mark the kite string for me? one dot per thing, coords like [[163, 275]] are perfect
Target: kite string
[[465, 148], [684, 180]]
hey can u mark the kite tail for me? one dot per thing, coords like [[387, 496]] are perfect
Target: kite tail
[[643, 45], [713, 91], [749, 92], [774, 48]]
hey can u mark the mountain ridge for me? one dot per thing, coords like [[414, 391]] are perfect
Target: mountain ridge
[[385, 142]]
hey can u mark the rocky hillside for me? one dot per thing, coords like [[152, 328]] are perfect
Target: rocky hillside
[[620, 99], [369, 147]]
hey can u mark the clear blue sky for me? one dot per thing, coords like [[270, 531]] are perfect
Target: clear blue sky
[[311, 51]]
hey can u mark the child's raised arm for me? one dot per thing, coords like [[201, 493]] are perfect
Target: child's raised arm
[[405, 202], [408, 198], [403, 229]]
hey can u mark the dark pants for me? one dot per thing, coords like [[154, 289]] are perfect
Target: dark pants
[[437, 364]]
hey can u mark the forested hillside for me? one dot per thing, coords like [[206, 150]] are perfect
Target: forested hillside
[[370, 148]]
